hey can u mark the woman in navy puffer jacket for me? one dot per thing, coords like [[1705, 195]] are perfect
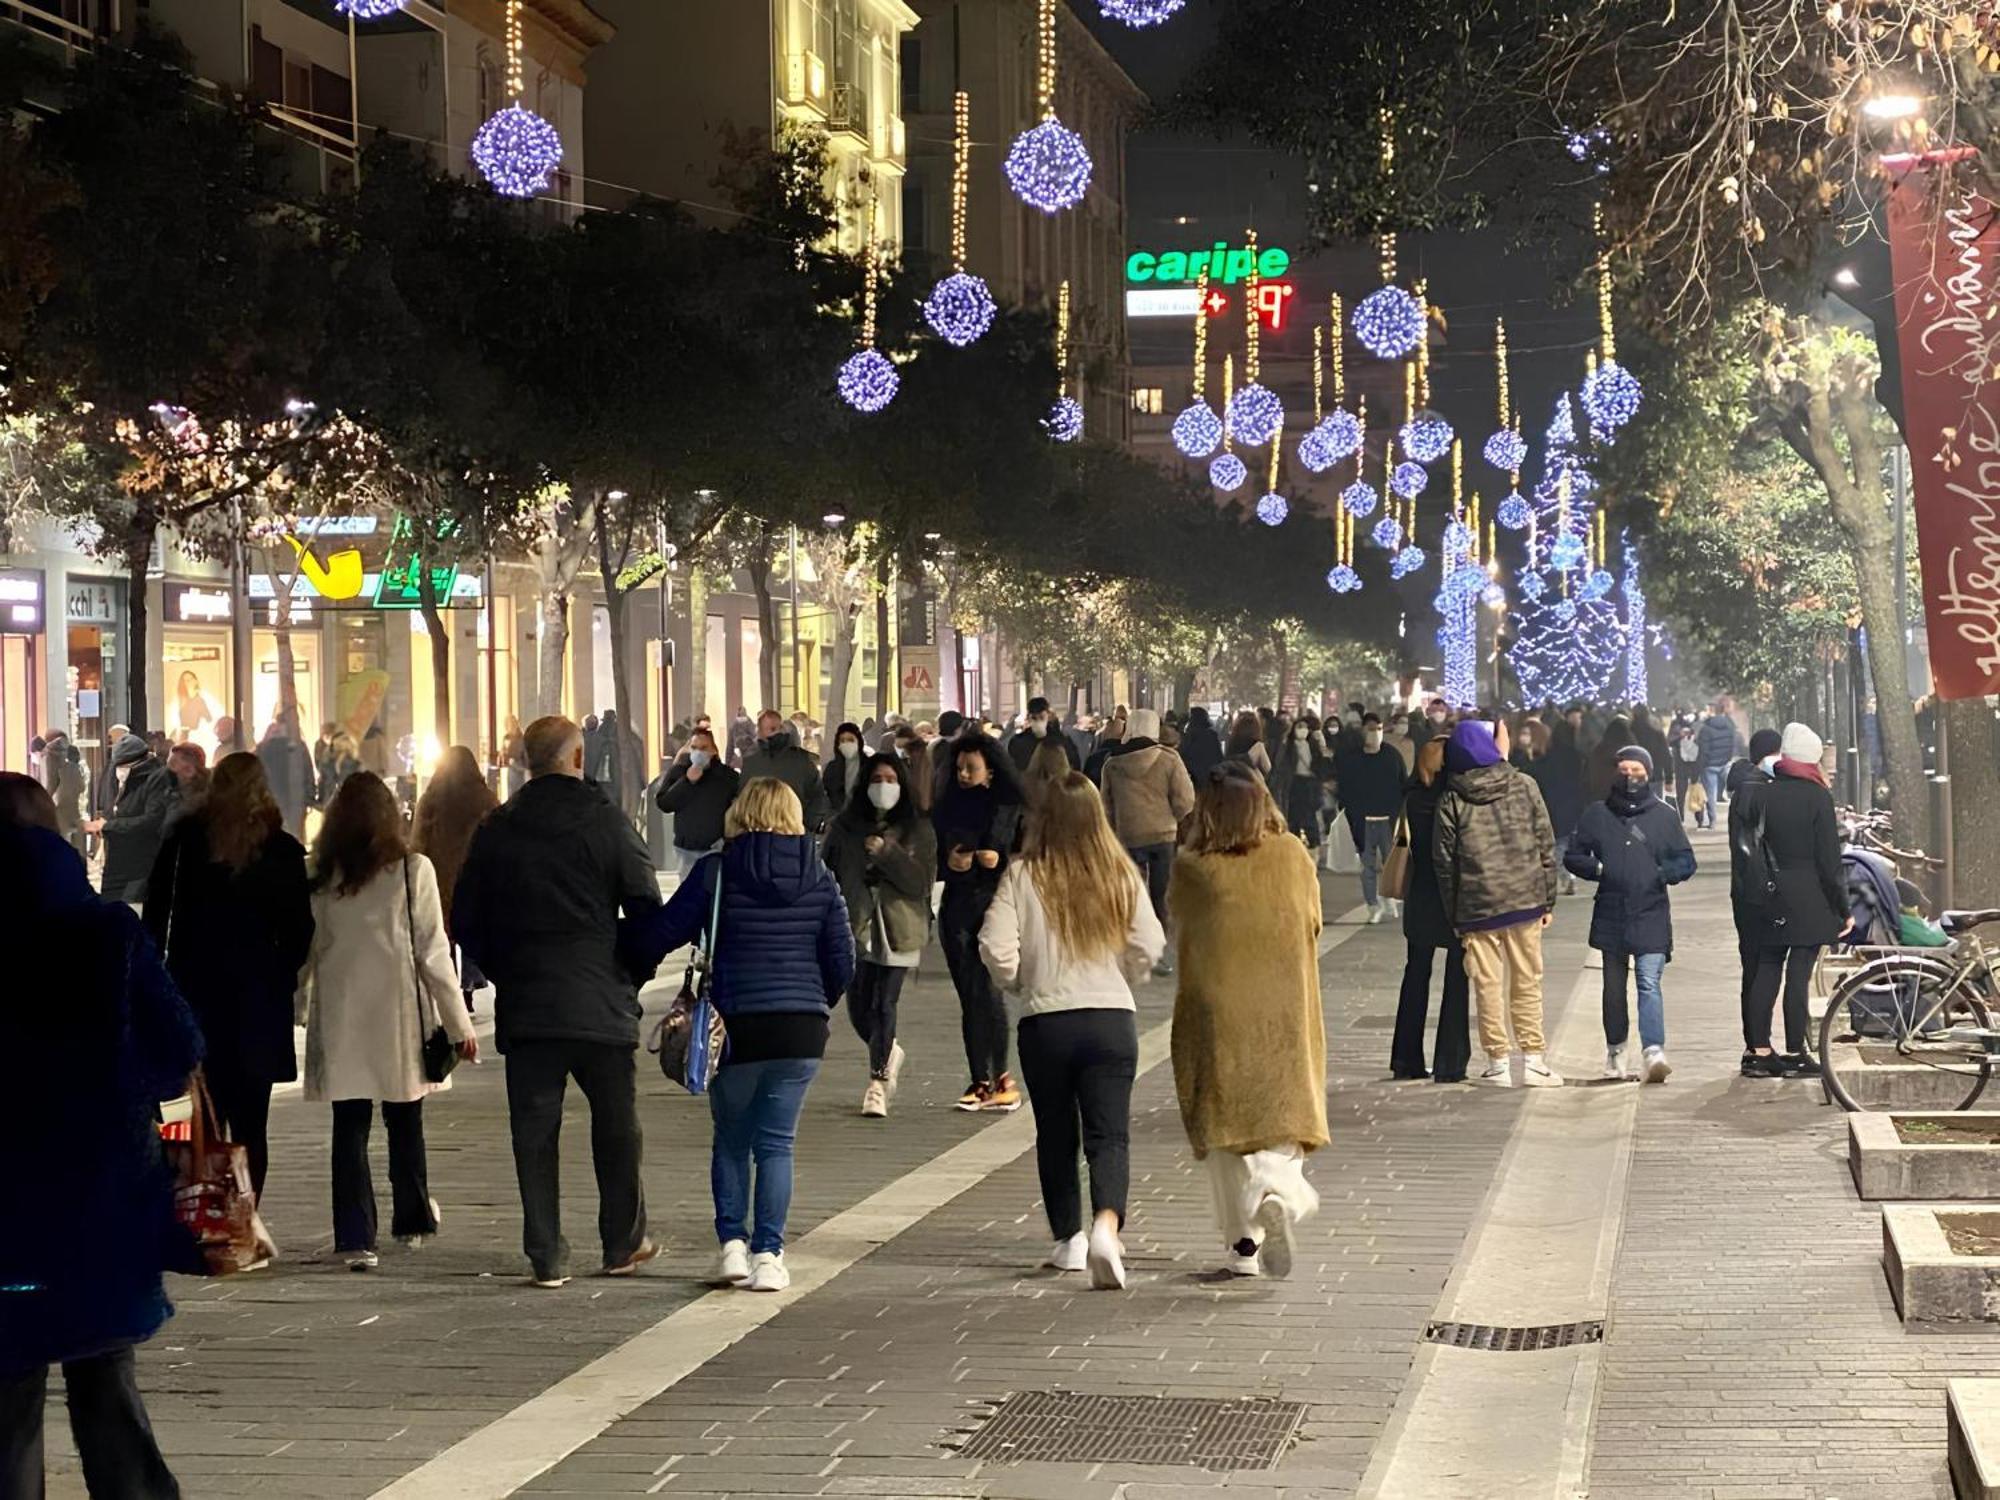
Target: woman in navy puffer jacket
[[784, 953]]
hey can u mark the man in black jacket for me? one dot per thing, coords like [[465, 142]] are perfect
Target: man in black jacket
[[1041, 724], [1718, 742], [780, 756], [537, 907], [697, 791], [142, 794], [1370, 777]]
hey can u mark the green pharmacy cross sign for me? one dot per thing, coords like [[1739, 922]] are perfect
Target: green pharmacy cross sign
[[400, 585]]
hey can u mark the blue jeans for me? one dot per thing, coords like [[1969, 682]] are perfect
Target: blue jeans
[[689, 858], [1711, 784], [1652, 1004], [756, 1111]]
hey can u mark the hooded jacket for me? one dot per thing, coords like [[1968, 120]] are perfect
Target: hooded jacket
[[896, 879], [1494, 848], [1632, 844], [537, 907], [1717, 740], [1147, 792], [137, 823], [783, 758]]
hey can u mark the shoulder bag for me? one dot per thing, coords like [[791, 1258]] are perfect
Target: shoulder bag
[[690, 1039], [438, 1050], [1395, 878], [213, 1199]]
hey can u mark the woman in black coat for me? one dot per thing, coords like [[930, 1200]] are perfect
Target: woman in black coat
[[1794, 896], [1555, 766], [229, 906], [1426, 930]]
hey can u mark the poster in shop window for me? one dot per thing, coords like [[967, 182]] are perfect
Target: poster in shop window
[[196, 691]]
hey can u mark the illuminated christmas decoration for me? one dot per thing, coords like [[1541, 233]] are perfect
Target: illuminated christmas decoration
[[1598, 584], [1406, 562], [960, 307], [1389, 321], [1568, 643], [1342, 579], [516, 150], [1506, 450], [1409, 480], [1530, 586], [1227, 472], [1254, 414], [1359, 499], [1315, 450], [1636, 684], [868, 380], [1065, 418], [1273, 508], [1343, 434], [1426, 437], [1611, 393], [1140, 13], [1388, 533], [368, 10], [1198, 429], [1493, 595], [1048, 165], [1457, 538], [1514, 512]]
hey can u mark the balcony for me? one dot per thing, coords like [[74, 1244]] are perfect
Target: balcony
[[888, 141], [847, 111], [805, 85]]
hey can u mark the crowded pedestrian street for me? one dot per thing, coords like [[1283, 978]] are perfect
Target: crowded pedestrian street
[[1751, 1350]]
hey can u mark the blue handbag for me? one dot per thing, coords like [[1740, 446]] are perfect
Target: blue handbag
[[690, 1038]]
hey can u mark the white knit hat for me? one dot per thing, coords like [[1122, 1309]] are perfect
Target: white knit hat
[[1800, 743], [1143, 724]]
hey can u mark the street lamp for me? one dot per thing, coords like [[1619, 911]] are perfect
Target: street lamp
[[1892, 106], [835, 518], [1846, 277]]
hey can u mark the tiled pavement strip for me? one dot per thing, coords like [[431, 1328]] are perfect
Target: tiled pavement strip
[[312, 1381]]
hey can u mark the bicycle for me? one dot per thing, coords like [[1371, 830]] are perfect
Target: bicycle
[[1934, 1006]]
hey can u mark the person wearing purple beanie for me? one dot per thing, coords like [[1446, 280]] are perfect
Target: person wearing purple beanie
[[1495, 853]]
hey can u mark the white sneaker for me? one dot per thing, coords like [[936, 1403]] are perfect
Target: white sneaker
[[1395, 909], [897, 1057], [1244, 1265], [1499, 1072], [1071, 1254], [416, 1241], [363, 1260], [1106, 1260], [1275, 1220], [732, 1266], [875, 1100], [1657, 1067], [1536, 1074], [1374, 915], [1614, 1062], [768, 1273]]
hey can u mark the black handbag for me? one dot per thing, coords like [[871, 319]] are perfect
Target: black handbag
[[439, 1051]]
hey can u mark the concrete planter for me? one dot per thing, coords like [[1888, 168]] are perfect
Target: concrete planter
[[1936, 1289], [1888, 1166], [1972, 1438], [1903, 1086]]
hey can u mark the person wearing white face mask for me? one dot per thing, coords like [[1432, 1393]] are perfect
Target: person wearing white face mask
[[697, 791], [843, 771], [883, 853], [1371, 793]]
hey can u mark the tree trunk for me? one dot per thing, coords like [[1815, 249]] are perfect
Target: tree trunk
[[758, 566], [885, 649], [138, 556], [559, 555], [438, 628], [697, 609], [553, 647], [1183, 690], [614, 609], [843, 664]]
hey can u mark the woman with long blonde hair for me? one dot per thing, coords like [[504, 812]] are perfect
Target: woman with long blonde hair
[[1070, 931]]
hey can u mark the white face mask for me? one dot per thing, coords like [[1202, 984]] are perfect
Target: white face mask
[[884, 794], [700, 757], [850, 748], [1768, 765]]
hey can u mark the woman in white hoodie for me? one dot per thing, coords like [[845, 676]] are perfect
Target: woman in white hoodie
[[1069, 932]]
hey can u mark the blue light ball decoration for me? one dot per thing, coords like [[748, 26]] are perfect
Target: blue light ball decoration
[[1531, 587], [368, 10], [1611, 397], [1493, 595], [1514, 513], [1343, 434], [1409, 480], [959, 308], [517, 151], [1255, 414], [1466, 581], [868, 380], [1065, 419], [1566, 552], [1273, 508], [1406, 562], [1389, 322], [1506, 450], [1563, 611], [1342, 579], [1048, 167], [1426, 437], [1598, 584], [1197, 430], [1315, 452], [1457, 538], [1139, 14], [1359, 499], [1388, 533], [1227, 473]]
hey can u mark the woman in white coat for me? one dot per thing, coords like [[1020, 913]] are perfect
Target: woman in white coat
[[378, 981]]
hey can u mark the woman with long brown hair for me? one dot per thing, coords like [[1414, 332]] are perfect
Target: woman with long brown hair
[[377, 982], [228, 906], [1426, 930], [447, 813], [1249, 1039], [1070, 931]]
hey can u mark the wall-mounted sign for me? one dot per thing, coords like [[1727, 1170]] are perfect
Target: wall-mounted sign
[[1274, 299], [339, 577], [401, 585], [90, 601], [192, 604], [1225, 266], [22, 608], [464, 589], [338, 525]]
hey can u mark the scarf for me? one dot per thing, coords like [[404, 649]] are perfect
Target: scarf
[[1801, 770]]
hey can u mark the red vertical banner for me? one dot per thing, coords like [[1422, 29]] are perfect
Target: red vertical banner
[[1943, 248]]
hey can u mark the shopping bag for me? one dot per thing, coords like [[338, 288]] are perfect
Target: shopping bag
[[1395, 878], [213, 1199]]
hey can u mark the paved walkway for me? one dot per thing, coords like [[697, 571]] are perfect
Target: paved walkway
[[1752, 1351]]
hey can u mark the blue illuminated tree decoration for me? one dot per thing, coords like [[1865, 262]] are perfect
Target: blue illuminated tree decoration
[[1315, 451], [368, 10], [1273, 508], [1227, 472], [1342, 579], [1388, 533], [1409, 480], [1254, 415], [1065, 419], [1406, 562], [1568, 644], [1530, 587], [1343, 433], [868, 380], [1611, 397], [1140, 13], [1359, 499], [1426, 437], [1389, 322], [1514, 512], [1197, 430], [1637, 687], [517, 151], [1506, 450], [960, 308], [1457, 538]]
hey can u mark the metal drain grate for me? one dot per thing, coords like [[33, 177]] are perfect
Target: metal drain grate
[[1202, 1432], [1514, 1340]]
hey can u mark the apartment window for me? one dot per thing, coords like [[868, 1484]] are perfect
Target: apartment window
[[1149, 400], [913, 75], [916, 227]]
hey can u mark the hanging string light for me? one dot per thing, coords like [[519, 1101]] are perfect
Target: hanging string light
[[868, 380], [1048, 165], [1341, 577], [1272, 507], [1315, 449], [1388, 321], [1254, 414], [1226, 471], [1610, 393], [1065, 418], [1505, 450], [516, 150], [1139, 14], [1198, 429], [1426, 435], [1359, 499], [960, 307], [1340, 429]]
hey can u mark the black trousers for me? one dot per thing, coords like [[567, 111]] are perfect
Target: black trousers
[[1156, 868], [871, 1006], [1453, 1048], [121, 1459], [1079, 1066], [538, 1075], [244, 1104], [354, 1181], [982, 1012], [1791, 966]]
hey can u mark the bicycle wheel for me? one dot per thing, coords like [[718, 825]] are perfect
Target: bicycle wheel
[[1898, 1010]]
